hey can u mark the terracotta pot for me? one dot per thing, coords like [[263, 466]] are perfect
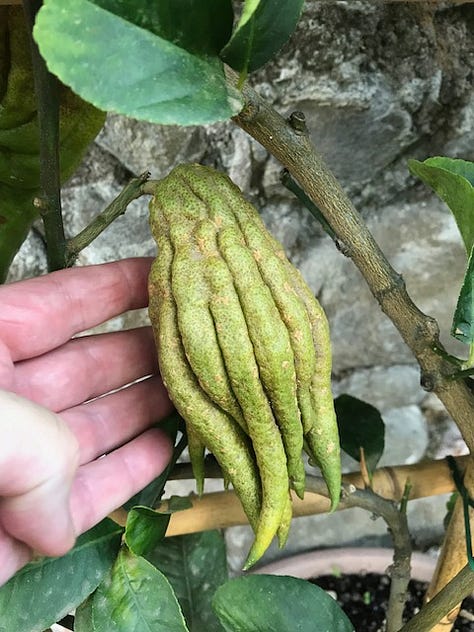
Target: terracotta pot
[[346, 560]]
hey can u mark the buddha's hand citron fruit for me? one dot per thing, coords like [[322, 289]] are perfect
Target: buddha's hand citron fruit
[[243, 347]]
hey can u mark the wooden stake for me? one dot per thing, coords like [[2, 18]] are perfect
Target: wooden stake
[[453, 556], [220, 510]]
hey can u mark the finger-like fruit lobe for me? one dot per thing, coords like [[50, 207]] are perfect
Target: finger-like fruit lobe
[[243, 347]]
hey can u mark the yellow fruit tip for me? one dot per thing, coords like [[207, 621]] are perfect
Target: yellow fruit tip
[[299, 489], [249, 563]]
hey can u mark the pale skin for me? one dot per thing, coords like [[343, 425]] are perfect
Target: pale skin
[[53, 485]]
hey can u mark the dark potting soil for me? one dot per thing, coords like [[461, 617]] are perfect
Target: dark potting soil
[[364, 599]]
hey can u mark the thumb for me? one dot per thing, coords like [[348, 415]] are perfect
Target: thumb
[[39, 457]]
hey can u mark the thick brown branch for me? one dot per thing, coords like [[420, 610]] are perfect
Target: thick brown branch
[[420, 332]]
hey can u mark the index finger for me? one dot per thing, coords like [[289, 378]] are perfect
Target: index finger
[[42, 313]]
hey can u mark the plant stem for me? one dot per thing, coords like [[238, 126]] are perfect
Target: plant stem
[[294, 150], [49, 200], [455, 591], [469, 364], [133, 190], [288, 182], [396, 521]]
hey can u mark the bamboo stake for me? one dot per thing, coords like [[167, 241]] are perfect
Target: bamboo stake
[[219, 510], [453, 556]]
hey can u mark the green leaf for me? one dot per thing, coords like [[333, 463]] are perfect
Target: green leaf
[[144, 529], [360, 426], [118, 66], [196, 566], [258, 603], [134, 597], [463, 321], [150, 494], [46, 590], [147, 526], [17, 214], [453, 181], [199, 27], [83, 616], [79, 123], [261, 31]]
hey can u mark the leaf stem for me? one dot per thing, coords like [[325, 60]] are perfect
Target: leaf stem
[[288, 182], [133, 190], [49, 199]]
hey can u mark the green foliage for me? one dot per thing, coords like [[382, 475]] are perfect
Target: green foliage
[[196, 566], [360, 426], [201, 28], [258, 603], [144, 529], [130, 69], [265, 25], [79, 123], [46, 590], [150, 494], [133, 597], [463, 321], [453, 181]]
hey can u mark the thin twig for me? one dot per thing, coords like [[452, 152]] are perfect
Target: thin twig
[[133, 190], [49, 200], [396, 521], [455, 591]]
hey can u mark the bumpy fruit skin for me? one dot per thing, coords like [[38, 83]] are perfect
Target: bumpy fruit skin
[[243, 347], [79, 123]]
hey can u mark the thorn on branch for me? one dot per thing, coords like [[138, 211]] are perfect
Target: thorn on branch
[[297, 121], [343, 248], [427, 382]]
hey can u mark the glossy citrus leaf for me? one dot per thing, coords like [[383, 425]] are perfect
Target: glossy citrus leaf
[[260, 33], [134, 597], [144, 529], [196, 566], [46, 590], [118, 66], [201, 27], [360, 426], [453, 181], [83, 616], [147, 526], [259, 603], [463, 321]]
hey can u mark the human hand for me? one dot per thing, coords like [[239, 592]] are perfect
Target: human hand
[[53, 485]]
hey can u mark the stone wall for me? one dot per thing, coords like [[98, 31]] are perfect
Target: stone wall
[[379, 83]]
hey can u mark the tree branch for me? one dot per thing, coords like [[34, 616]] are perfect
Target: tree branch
[[293, 148], [49, 200], [397, 524], [458, 589], [133, 190]]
